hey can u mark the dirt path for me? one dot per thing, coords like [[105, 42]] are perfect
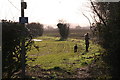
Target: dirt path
[[80, 73], [83, 73]]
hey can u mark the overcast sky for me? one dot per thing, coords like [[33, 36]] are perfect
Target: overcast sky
[[47, 11]]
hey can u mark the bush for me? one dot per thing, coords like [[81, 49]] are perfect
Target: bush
[[12, 35], [64, 30]]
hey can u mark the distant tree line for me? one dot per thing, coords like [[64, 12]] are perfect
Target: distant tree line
[[107, 29], [36, 29]]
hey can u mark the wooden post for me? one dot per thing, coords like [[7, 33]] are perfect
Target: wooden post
[[23, 44]]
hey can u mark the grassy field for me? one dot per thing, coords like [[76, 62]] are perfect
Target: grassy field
[[56, 59]]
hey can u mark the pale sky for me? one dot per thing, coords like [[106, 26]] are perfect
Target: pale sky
[[47, 11]]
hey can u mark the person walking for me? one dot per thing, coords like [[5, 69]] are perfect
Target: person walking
[[87, 41]]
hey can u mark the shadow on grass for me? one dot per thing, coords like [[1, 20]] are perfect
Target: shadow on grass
[[61, 39], [84, 53], [58, 69]]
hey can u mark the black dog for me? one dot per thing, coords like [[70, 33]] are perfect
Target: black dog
[[75, 48]]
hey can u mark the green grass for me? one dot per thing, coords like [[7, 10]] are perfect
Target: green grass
[[53, 53]]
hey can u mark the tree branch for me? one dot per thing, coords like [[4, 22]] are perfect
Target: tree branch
[[100, 17], [87, 18]]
